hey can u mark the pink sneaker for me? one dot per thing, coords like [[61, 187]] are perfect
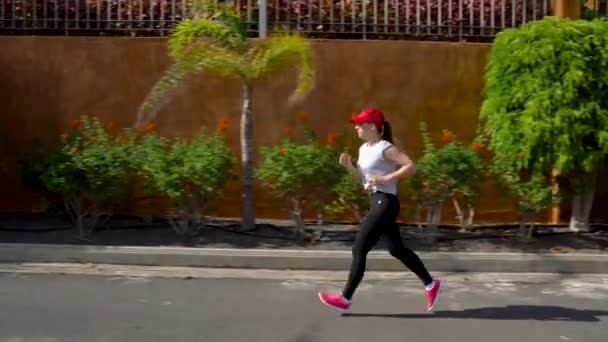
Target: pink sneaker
[[335, 300], [434, 293]]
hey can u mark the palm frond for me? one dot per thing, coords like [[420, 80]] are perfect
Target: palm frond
[[198, 58], [282, 52], [191, 31], [223, 15]]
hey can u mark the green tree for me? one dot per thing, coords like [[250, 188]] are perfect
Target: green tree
[[215, 40], [547, 103]]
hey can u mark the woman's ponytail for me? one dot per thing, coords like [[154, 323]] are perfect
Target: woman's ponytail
[[387, 132]]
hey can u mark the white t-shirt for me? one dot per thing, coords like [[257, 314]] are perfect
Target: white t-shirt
[[371, 162]]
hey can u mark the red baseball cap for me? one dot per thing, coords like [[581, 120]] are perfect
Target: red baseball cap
[[369, 115]]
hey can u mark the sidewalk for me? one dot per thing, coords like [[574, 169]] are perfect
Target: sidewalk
[[286, 259]]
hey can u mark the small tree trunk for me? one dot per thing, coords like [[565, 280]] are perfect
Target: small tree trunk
[[555, 209], [296, 214], [418, 216], [247, 145], [527, 228], [526, 231], [459, 214], [81, 226], [189, 222], [582, 203], [576, 219], [320, 216], [434, 212], [466, 220], [469, 215], [84, 217], [581, 209], [464, 215], [317, 232]]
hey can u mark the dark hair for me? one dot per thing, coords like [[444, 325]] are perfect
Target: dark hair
[[387, 132]]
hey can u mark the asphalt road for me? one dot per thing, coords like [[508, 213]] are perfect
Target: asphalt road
[[131, 306]]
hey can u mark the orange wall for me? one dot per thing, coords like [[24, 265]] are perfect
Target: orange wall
[[48, 81]]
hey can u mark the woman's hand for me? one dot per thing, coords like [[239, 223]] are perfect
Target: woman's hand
[[346, 160], [379, 180]]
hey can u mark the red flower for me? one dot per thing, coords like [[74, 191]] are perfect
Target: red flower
[[282, 151], [446, 137], [149, 127], [303, 116], [124, 140], [222, 124], [63, 137], [76, 123], [331, 137], [74, 150], [477, 146], [110, 125]]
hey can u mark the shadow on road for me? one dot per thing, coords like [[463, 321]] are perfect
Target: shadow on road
[[511, 312]]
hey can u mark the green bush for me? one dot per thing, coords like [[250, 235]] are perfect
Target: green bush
[[299, 174], [89, 168], [531, 191], [453, 170], [190, 172], [349, 196], [304, 172], [547, 101], [92, 169]]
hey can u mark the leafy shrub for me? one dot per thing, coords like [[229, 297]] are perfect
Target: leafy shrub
[[308, 173], [451, 171], [299, 173], [190, 172], [89, 168], [349, 197], [531, 191]]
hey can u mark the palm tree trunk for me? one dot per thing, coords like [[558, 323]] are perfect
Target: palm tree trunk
[[247, 144]]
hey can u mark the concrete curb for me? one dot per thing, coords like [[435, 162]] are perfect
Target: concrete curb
[[284, 259]]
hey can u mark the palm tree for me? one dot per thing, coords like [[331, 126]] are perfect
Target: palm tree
[[215, 40]]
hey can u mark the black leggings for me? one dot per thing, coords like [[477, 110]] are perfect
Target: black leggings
[[382, 220]]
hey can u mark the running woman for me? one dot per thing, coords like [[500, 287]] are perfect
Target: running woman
[[379, 166]]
